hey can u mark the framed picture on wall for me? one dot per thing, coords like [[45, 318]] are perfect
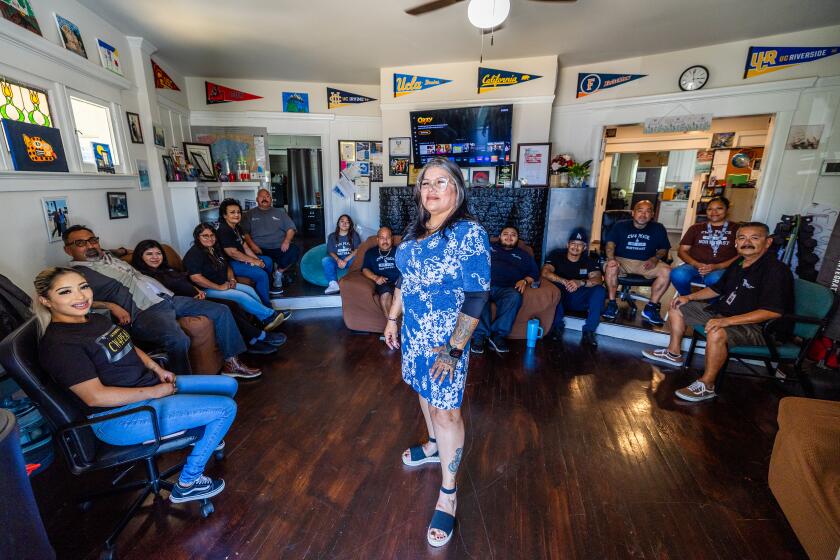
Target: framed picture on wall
[[362, 189], [160, 138], [398, 166], [117, 205], [200, 156], [134, 128], [480, 176], [169, 167], [400, 146], [532, 162], [723, 140], [347, 151], [56, 216], [504, 175]]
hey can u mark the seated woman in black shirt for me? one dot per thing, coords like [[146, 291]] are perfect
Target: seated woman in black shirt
[[97, 363], [150, 259]]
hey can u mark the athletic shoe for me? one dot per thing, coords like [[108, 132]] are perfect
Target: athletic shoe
[[651, 314], [261, 348], [477, 345], [499, 344], [332, 288], [275, 338], [234, 368], [220, 447], [274, 321], [587, 338], [664, 356], [202, 488], [278, 278], [696, 392], [611, 312], [275, 291]]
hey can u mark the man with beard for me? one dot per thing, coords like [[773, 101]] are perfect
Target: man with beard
[[270, 231], [580, 283], [512, 271], [380, 267], [754, 289], [148, 309]]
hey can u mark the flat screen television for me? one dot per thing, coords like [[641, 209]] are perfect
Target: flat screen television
[[469, 136]]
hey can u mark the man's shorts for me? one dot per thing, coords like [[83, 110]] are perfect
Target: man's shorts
[[386, 288], [695, 313], [633, 266]]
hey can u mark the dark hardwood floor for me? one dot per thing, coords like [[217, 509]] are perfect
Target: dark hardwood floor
[[570, 455]]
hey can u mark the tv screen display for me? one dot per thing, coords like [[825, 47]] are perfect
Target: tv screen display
[[469, 136]]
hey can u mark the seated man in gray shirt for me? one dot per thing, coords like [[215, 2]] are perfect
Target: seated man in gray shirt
[[269, 231]]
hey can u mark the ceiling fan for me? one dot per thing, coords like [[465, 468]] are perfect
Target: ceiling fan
[[438, 4]]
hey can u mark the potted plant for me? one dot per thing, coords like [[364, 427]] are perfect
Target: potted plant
[[578, 172], [560, 165]]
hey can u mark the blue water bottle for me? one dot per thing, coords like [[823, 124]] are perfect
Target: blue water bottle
[[534, 332]]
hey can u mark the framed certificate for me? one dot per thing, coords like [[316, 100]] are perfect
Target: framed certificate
[[399, 146], [532, 161], [362, 186]]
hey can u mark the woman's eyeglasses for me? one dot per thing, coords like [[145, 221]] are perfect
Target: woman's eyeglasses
[[437, 185]]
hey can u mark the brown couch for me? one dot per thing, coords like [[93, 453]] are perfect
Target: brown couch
[[805, 473], [205, 356], [361, 311]]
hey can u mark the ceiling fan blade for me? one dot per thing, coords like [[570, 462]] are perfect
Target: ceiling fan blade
[[430, 7]]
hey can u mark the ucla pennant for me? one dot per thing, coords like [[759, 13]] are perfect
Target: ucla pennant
[[490, 78], [761, 60], [409, 83]]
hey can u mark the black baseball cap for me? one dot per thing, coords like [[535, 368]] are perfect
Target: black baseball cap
[[578, 234]]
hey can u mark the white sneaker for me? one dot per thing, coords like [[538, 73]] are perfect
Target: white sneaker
[[332, 288], [696, 392], [664, 356]]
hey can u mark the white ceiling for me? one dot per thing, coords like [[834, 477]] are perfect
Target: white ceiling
[[349, 40]]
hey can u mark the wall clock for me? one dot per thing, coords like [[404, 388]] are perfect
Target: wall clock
[[694, 78]]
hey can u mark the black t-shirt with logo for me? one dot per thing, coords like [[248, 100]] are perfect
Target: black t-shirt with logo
[[382, 264], [230, 237], [73, 353], [564, 268], [766, 284], [199, 261]]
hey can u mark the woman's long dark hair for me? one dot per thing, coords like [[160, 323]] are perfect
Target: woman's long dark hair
[[349, 231], [417, 228], [138, 262], [217, 256]]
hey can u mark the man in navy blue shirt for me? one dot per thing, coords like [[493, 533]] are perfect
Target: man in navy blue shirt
[[638, 246], [512, 271], [379, 266], [580, 283]]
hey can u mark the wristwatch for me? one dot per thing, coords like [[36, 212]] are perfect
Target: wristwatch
[[454, 352]]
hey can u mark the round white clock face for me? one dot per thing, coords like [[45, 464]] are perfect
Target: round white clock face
[[694, 78]]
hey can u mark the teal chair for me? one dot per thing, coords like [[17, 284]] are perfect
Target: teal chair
[[311, 268], [814, 305]]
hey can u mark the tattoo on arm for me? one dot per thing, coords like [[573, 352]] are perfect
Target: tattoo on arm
[[463, 330], [456, 461]]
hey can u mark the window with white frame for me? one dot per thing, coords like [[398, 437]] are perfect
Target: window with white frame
[[94, 128]]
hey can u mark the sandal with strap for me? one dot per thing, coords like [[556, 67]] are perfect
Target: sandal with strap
[[442, 521], [418, 457]]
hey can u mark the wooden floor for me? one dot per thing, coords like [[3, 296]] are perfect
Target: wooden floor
[[574, 455]]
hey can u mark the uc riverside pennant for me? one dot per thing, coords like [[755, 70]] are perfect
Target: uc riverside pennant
[[490, 78], [593, 83], [162, 79], [222, 94], [409, 83], [761, 60], [339, 98]]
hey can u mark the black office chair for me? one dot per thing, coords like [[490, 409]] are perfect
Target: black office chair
[[82, 449]]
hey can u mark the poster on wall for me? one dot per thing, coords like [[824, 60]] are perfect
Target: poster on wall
[[722, 140], [110, 57], [804, 137], [400, 146], [339, 98], [70, 35], [490, 79], [703, 163], [56, 216], [347, 151], [102, 157], [589, 84], [20, 13], [405, 84], [162, 79], [295, 102], [761, 60], [34, 147], [216, 93], [532, 164], [143, 175], [362, 151]]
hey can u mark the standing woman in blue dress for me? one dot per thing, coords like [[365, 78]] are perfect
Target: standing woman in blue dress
[[444, 260]]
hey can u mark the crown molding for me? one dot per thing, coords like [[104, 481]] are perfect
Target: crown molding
[[404, 105]]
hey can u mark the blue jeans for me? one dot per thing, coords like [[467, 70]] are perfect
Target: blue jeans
[[683, 275], [158, 326], [589, 299], [508, 301], [201, 401], [260, 276], [281, 259], [244, 296], [227, 333], [331, 268]]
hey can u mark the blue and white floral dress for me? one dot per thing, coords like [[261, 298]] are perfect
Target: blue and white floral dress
[[436, 271]]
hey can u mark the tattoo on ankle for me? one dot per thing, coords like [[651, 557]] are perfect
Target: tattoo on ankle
[[453, 464]]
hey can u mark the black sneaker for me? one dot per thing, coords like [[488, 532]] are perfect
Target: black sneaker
[[611, 312], [651, 314], [275, 338], [274, 321], [477, 345], [203, 488], [499, 344], [261, 348], [275, 291], [588, 339]]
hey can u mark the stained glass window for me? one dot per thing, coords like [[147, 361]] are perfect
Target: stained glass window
[[23, 103]]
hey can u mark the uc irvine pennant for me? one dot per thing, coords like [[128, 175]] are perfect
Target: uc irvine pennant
[[222, 94], [490, 78], [409, 83], [593, 83], [339, 98], [761, 60]]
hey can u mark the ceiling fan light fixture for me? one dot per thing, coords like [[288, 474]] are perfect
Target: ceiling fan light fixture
[[486, 14]]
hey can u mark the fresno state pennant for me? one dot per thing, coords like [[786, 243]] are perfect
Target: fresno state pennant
[[222, 94], [162, 79], [593, 83], [490, 78], [339, 98]]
